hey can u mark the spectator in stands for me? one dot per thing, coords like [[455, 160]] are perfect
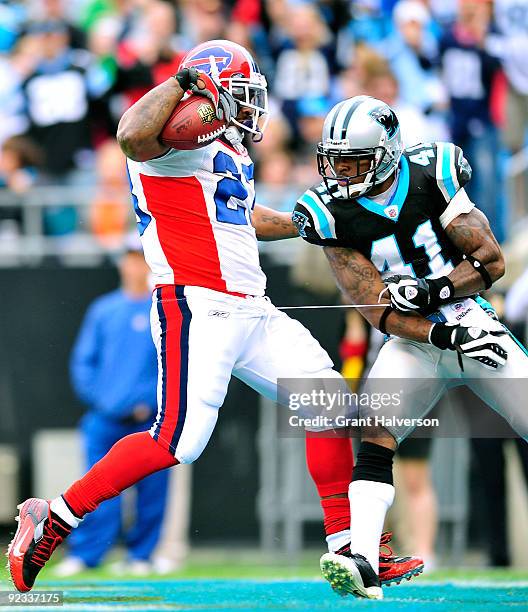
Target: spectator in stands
[[412, 53], [57, 10], [380, 82], [516, 306], [468, 72], [57, 99], [274, 181], [278, 134], [20, 159], [350, 81], [165, 47], [19, 163], [304, 67], [12, 118], [311, 113], [511, 18], [110, 209], [203, 20], [370, 22], [12, 15], [114, 372]]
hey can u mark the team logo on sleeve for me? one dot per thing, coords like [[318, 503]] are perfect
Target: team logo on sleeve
[[386, 117], [465, 168], [300, 221]]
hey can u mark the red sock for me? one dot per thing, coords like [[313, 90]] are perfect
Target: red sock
[[132, 458], [330, 463], [336, 512]]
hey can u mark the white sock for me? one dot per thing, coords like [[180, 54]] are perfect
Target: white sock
[[337, 540], [58, 505], [369, 503]]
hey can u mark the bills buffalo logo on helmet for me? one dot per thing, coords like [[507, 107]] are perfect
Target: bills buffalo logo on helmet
[[386, 117], [200, 60]]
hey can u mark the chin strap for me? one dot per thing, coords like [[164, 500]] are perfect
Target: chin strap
[[235, 137]]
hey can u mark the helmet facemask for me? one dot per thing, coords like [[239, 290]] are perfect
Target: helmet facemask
[[328, 159], [250, 93]]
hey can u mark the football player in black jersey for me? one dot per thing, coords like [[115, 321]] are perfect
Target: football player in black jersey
[[399, 229]]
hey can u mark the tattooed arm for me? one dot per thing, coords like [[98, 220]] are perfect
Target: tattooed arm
[[140, 126], [471, 234], [361, 283], [272, 225]]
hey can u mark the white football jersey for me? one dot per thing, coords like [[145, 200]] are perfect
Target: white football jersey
[[194, 215]]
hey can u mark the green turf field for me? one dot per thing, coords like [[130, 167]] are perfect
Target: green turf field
[[281, 595], [218, 582]]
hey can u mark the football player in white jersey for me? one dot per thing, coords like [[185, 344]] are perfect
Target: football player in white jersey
[[199, 225], [400, 223]]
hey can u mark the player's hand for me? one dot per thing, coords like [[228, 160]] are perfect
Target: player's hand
[[226, 106], [204, 85], [473, 342], [409, 294], [186, 77]]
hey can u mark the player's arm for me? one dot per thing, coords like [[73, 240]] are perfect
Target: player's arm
[[361, 283], [472, 235], [139, 129], [271, 224], [466, 227], [483, 264]]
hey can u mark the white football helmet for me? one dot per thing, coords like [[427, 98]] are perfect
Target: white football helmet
[[360, 128]]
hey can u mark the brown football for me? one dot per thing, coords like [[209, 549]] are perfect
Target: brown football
[[192, 125]]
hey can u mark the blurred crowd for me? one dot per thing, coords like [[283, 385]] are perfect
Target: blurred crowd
[[452, 69]]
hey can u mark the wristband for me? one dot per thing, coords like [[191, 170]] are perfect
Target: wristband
[[383, 319], [440, 335], [441, 291], [480, 268]]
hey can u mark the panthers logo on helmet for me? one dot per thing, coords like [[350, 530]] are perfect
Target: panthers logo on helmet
[[386, 117], [300, 221], [200, 61]]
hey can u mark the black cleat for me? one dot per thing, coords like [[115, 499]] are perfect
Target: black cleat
[[351, 575]]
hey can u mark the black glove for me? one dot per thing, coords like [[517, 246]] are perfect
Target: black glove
[[225, 105], [187, 77], [473, 342], [409, 294]]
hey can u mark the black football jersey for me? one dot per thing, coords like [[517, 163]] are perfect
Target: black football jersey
[[404, 235]]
